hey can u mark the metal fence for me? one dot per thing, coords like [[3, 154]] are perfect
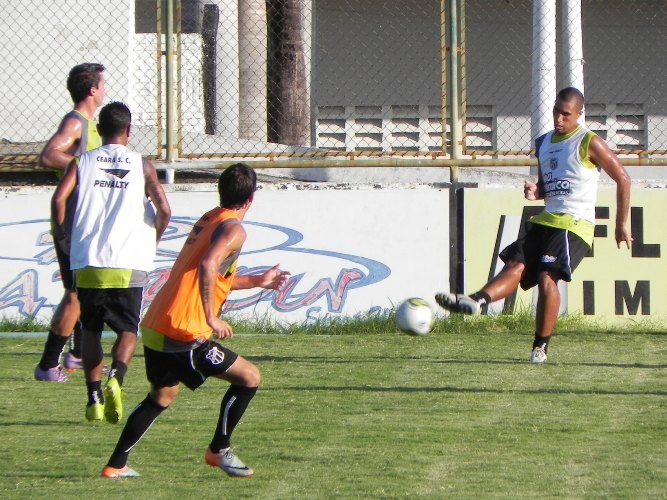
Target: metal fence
[[340, 80]]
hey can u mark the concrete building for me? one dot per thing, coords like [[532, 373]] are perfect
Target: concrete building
[[373, 71]]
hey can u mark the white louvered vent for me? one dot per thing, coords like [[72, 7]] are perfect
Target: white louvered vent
[[622, 126], [397, 128]]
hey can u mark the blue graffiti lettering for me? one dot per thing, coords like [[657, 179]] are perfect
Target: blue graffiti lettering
[[285, 300], [22, 293]]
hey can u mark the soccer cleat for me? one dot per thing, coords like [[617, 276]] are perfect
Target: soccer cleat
[[55, 374], [538, 355], [110, 472], [72, 363], [459, 303], [113, 401], [95, 412], [228, 462]]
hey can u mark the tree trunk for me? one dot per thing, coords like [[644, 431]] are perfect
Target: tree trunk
[[289, 104]]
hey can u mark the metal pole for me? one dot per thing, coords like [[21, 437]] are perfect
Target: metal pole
[[463, 75], [455, 113], [443, 77], [170, 85], [199, 163], [573, 51], [456, 250], [158, 55], [543, 82]]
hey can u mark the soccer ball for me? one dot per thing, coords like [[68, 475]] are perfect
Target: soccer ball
[[415, 316]]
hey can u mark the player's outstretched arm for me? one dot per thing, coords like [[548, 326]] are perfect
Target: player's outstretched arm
[[606, 159], [272, 279]]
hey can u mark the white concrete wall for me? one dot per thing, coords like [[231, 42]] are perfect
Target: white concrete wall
[[349, 251], [372, 52], [357, 251], [41, 41]]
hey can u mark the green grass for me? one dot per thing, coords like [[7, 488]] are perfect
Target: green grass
[[22, 325], [458, 414]]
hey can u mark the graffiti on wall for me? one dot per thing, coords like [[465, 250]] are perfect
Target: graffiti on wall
[[321, 283]]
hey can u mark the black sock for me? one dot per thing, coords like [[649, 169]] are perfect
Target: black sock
[[236, 400], [138, 423], [53, 349], [75, 341], [483, 299], [542, 342], [95, 394], [118, 370]]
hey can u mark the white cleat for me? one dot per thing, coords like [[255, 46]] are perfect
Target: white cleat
[[228, 462], [538, 355], [459, 303]]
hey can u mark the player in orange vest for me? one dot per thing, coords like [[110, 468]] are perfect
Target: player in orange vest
[[182, 320]]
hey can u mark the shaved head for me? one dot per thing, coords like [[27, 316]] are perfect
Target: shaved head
[[572, 94]]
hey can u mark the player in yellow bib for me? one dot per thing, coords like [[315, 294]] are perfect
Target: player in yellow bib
[[76, 134], [120, 214], [180, 326], [557, 239]]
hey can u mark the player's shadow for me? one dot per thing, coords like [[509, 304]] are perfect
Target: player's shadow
[[472, 390], [564, 363], [382, 359], [42, 423]]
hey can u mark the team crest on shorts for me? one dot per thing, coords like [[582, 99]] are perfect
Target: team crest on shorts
[[215, 356]]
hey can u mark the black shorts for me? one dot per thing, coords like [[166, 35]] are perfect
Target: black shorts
[[66, 274], [192, 368], [545, 248], [120, 308]]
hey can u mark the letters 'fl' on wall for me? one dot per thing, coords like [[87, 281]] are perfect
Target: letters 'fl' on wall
[[616, 285]]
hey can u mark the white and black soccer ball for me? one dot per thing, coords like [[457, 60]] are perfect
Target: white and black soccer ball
[[415, 316]]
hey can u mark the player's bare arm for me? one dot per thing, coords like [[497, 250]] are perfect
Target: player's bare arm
[[606, 159], [59, 199], [272, 279], [226, 243], [533, 191], [157, 196], [57, 152]]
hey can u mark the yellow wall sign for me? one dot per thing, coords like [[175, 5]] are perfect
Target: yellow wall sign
[[611, 283]]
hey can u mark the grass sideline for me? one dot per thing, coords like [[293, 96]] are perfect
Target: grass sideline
[[521, 321], [371, 413]]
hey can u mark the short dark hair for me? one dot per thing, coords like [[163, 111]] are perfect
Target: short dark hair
[[236, 185], [82, 78], [569, 94], [114, 118]]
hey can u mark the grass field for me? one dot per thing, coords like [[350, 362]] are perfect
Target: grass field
[[458, 414]]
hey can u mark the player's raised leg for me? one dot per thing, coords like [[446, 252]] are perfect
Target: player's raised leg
[[245, 379]]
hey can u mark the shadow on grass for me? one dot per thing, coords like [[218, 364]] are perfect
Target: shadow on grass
[[472, 390], [42, 423], [383, 359]]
